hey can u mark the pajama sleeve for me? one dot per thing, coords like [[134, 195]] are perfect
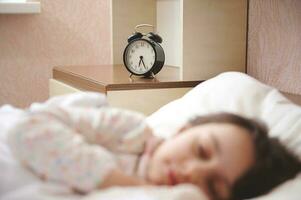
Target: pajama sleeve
[[116, 129], [77, 146]]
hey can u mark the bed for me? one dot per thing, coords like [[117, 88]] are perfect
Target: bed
[[231, 91]]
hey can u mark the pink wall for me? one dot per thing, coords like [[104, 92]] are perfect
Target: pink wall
[[66, 32], [274, 44]]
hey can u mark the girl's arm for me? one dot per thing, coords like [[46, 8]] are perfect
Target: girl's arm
[[116, 129], [54, 151], [117, 177]]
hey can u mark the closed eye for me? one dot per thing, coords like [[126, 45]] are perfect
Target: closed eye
[[203, 153]]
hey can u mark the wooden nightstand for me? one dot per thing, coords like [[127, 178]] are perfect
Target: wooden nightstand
[[136, 93]]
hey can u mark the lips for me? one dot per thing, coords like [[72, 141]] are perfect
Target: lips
[[172, 179]]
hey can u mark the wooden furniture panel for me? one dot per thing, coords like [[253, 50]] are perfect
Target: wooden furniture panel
[[141, 94], [59, 88], [146, 101], [274, 43], [214, 37], [293, 97], [125, 16]]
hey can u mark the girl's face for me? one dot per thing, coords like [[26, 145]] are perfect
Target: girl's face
[[212, 156]]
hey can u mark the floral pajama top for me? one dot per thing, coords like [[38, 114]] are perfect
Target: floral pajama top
[[79, 146]]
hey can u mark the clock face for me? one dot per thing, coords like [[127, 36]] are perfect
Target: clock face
[[140, 56]]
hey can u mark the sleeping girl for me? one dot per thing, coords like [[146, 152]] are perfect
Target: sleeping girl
[[223, 154]]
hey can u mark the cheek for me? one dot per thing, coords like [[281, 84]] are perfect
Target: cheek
[[236, 160], [163, 152], [174, 151], [157, 165], [166, 153]]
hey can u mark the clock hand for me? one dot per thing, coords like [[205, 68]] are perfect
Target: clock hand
[[143, 63], [141, 57], [139, 62]]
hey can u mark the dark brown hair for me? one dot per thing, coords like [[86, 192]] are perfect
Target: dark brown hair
[[274, 164]]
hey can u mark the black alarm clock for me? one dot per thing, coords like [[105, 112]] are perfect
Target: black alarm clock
[[143, 55]]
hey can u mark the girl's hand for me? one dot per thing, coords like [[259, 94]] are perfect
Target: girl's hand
[[151, 145], [145, 161], [118, 178]]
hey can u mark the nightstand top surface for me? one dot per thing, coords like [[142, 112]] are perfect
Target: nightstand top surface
[[103, 78]]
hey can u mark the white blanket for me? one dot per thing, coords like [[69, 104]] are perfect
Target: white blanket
[[16, 183]]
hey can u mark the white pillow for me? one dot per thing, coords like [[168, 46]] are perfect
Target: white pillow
[[241, 94], [232, 91]]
